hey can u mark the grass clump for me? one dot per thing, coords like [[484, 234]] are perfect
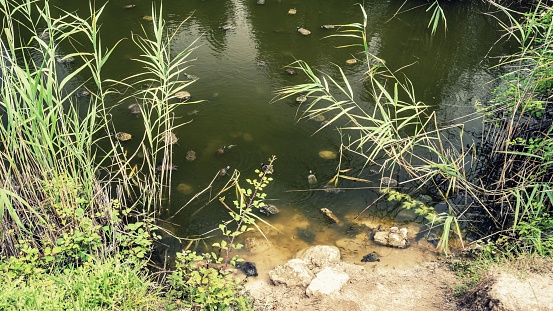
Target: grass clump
[[101, 285]]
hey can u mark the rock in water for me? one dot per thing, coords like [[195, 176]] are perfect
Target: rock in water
[[248, 268], [330, 215], [328, 155], [304, 31], [184, 188]]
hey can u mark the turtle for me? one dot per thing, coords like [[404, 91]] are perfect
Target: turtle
[[190, 77], [64, 59], [45, 34], [135, 109], [331, 189], [224, 171], [129, 6], [292, 11], [227, 27], [166, 167], [311, 178], [122, 136], [318, 118], [170, 138], [301, 99], [221, 150], [268, 209], [290, 71], [303, 31], [370, 257], [388, 182], [328, 26], [248, 268], [193, 112], [267, 168], [191, 155], [351, 61], [182, 95], [82, 93]]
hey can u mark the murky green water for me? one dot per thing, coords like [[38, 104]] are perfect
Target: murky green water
[[449, 72]]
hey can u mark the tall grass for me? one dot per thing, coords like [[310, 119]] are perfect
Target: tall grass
[[392, 130], [66, 181]]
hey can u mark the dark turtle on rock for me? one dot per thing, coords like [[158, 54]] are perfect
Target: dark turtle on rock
[[268, 209], [248, 268], [370, 257]]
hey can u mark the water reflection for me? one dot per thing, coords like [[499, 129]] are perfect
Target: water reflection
[[447, 72]]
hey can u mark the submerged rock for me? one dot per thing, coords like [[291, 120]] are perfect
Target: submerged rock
[[330, 215], [328, 155]]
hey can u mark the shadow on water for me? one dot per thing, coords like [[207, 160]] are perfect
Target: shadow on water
[[448, 72]]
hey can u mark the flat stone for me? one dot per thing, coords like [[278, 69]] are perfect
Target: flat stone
[[328, 281], [293, 273]]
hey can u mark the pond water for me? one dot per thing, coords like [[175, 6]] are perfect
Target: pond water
[[449, 72]]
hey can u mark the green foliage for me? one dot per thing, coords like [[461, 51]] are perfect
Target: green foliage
[[200, 283], [108, 285], [536, 234]]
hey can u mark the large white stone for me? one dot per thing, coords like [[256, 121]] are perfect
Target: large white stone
[[293, 273], [328, 281], [319, 256]]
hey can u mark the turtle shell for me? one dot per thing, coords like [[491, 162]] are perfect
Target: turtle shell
[[122, 136], [184, 95], [370, 257], [191, 155], [170, 138], [301, 99], [134, 109], [268, 209]]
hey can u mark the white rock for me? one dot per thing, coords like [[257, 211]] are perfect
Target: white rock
[[293, 273], [319, 256], [328, 281]]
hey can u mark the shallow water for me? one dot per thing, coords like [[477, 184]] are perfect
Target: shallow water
[[449, 72]]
